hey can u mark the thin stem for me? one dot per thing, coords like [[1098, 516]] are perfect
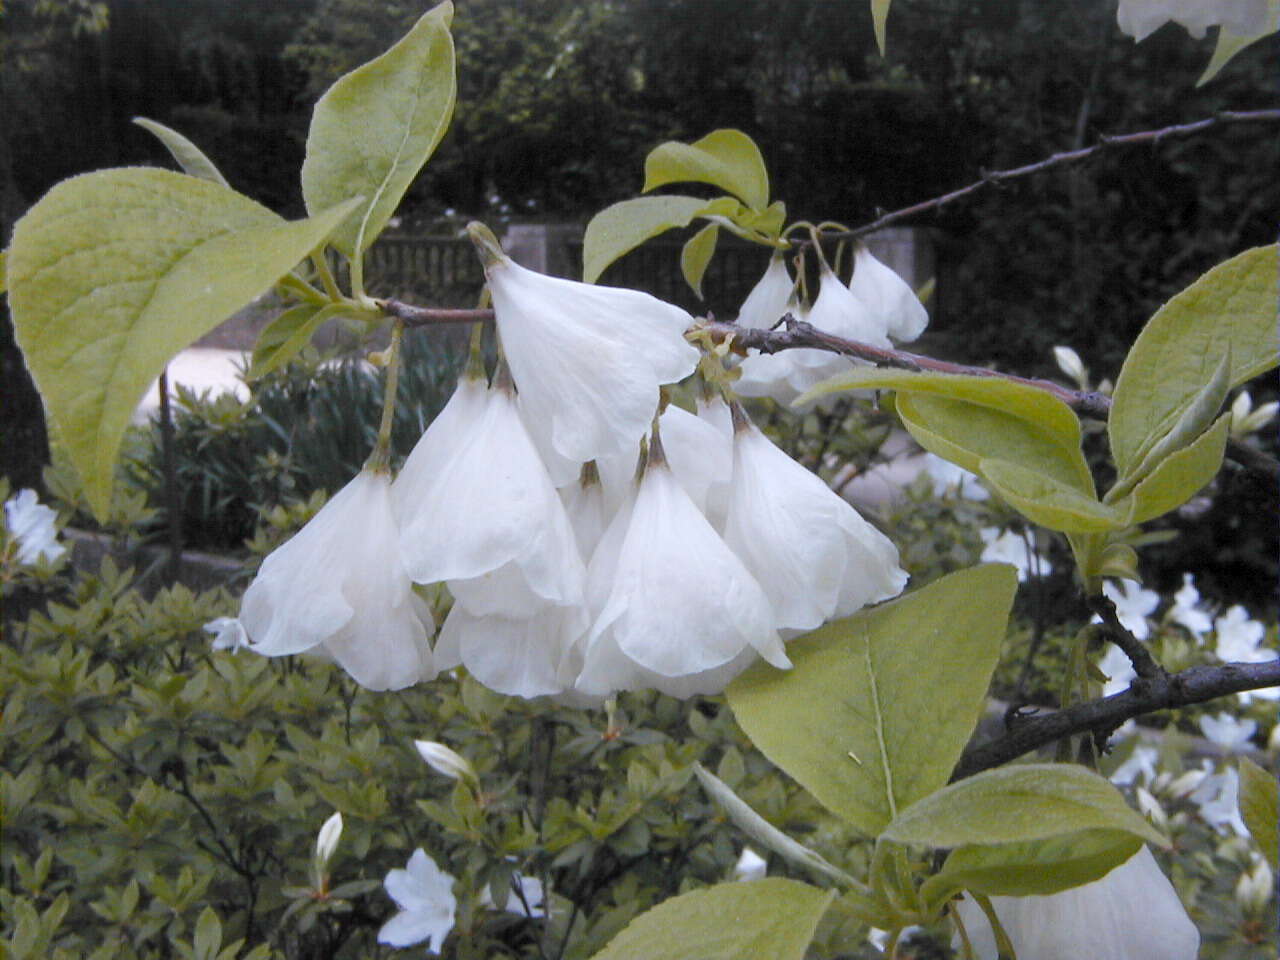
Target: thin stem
[[380, 459], [326, 275]]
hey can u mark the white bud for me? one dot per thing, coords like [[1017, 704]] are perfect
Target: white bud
[[1245, 419], [327, 840], [1253, 892], [1151, 808], [1186, 784], [445, 761], [750, 866], [1069, 362]]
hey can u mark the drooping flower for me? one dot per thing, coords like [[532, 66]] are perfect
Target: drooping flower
[[340, 589], [424, 894], [31, 524], [521, 656], [1132, 913], [1141, 18], [815, 557], [228, 633], [674, 608], [1006, 546], [587, 360], [438, 447], [1229, 732], [897, 310], [1186, 609], [767, 301]]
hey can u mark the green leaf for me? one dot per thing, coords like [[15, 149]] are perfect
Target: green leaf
[[1036, 867], [1232, 307], [1229, 44], [1047, 501], [879, 705], [697, 254], [1038, 407], [728, 159], [968, 433], [1015, 804], [283, 338], [768, 221], [769, 919], [1259, 805], [880, 14], [4, 284], [112, 273], [374, 128], [1179, 476], [763, 832], [188, 156], [618, 229], [208, 935]]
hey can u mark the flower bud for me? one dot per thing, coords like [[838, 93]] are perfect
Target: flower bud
[[1253, 891], [1069, 362], [1245, 419], [327, 840], [445, 761]]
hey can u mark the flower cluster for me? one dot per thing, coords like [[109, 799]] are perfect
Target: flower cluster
[[588, 545]]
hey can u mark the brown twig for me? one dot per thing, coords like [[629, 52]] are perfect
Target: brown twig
[[1144, 665], [429, 316], [1105, 142], [1144, 695]]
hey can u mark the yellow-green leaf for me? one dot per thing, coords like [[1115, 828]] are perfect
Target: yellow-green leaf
[[620, 228], [696, 254], [728, 159], [112, 273], [188, 156], [879, 705], [1179, 476], [282, 338], [1016, 804], [1260, 808], [1049, 502], [374, 128], [1231, 308], [4, 283], [879, 15], [769, 919]]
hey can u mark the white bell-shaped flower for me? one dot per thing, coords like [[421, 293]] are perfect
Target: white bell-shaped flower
[[815, 557], [584, 504], [771, 374], [1140, 18], [1133, 913], [489, 522], [339, 589], [587, 360], [767, 301], [517, 656], [897, 310], [674, 607], [449, 432]]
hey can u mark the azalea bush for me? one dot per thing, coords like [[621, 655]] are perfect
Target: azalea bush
[[593, 533]]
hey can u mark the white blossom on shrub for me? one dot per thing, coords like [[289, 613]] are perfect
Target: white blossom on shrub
[[750, 866], [1133, 606], [1227, 731], [445, 761], [524, 898], [424, 894], [1141, 18], [32, 526], [1186, 610], [1239, 637], [1007, 546], [1132, 913], [340, 589], [767, 301], [1218, 798], [228, 633], [890, 300]]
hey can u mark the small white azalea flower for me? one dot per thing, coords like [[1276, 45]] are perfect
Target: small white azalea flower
[[897, 310], [489, 522], [1227, 731], [1239, 638], [327, 840], [424, 894], [1116, 664], [445, 761], [1141, 18], [1139, 765], [587, 360], [1246, 420], [767, 301], [524, 898], [32, 526], [750, 866], [674, 607], [1006, 546], [228, 633], [1069, 362], [1218, 798], [1133, 606], [339, 588], [1095, 920], [1186, 609], [948, 477], [815, 557]]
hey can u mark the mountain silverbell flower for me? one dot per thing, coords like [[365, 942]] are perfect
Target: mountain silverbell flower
[[674, 607], [1132, 913], [767, 301], [424, 894], [446, 761], [897, 310], [521, 656], [337, 590], [439, 444], [587, 360], [489, 522], [1141, 18], [812, 553]]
